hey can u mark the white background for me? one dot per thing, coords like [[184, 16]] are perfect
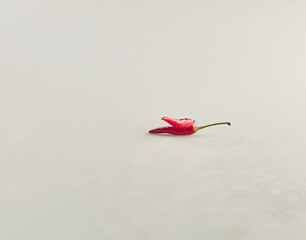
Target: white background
[[81, 83]]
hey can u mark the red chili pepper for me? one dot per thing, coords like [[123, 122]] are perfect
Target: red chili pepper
[[182, 126]]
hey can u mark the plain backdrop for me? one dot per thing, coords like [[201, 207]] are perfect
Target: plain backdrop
[[81, 83]]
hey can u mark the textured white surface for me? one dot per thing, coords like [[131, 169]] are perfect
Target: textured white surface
[[81, 83]]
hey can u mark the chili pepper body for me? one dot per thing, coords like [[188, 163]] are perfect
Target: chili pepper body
[[182, 126]]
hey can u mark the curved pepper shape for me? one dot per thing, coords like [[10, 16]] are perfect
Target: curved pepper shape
[[184, 126]]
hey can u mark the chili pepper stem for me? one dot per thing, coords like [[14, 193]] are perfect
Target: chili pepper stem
[[209, 125]]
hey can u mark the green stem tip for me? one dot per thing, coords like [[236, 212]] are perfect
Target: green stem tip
[[209, 125]]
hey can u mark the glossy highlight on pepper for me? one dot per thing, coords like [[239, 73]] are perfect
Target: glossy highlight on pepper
[[184, 126]]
